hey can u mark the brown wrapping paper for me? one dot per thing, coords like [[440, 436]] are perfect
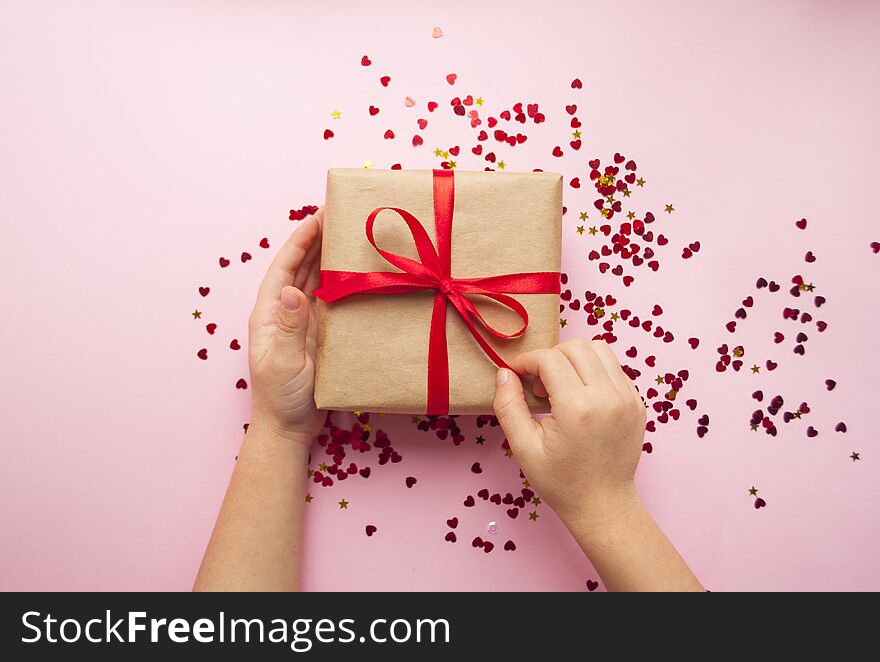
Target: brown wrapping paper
[[372, 350]]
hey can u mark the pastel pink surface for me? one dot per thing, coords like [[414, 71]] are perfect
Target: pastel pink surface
[[142, 142]]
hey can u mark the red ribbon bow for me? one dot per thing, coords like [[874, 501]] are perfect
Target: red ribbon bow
[[432, 272]]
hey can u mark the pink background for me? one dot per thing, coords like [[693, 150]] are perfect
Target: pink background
[[140, 141]]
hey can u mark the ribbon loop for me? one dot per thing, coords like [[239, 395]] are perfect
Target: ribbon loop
[[432, 272]]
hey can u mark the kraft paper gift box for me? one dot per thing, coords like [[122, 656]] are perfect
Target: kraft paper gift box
[[380, 326]]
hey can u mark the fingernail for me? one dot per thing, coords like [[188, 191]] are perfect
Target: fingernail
[[502, 376], [289, 299]]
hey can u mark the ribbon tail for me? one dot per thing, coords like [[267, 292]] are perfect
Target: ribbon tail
[[438, 360]]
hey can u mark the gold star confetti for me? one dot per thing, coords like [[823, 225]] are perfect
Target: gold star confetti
[[594, 231], [753, 491], [855, 457], [581, 229], [311, 473], [368, 164], [481, 440], [508, 453], [604, 213], [807, 287], [357, 413], [452, 164], [659, 380], [797, 415], [610, 199], [756, 370], [381, 414], [626, 193], [536, 501], [415, 419], [563, 322], [368, 427], [533, 516], [577, 134], [343, 503], [309, 498], [438, 152], [630, 215], [336, 114], [615, 316], [197, 314], [526, 483], [739, 352], [599, 313], [479, 101], [584, 216], [502, 165], [669, 209], [322, 466], [640, 182]]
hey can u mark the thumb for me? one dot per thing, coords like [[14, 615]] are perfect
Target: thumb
[[514, 416], [293, 322]]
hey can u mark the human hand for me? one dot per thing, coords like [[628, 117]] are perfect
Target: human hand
[[581, 459], [283, 327]]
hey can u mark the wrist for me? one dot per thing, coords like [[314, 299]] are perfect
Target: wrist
[[602, 513], [269, 427]]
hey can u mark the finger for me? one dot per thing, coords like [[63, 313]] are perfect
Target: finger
[[557, 374], [612, 367], [521, 429], [310, 268], [586, 362], [290, 258], [282, 270], [293, 326], [539, 389]]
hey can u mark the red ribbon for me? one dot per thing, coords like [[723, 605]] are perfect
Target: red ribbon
[[432, 272]]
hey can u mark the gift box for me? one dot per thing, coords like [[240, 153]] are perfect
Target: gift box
[[431, 280]]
